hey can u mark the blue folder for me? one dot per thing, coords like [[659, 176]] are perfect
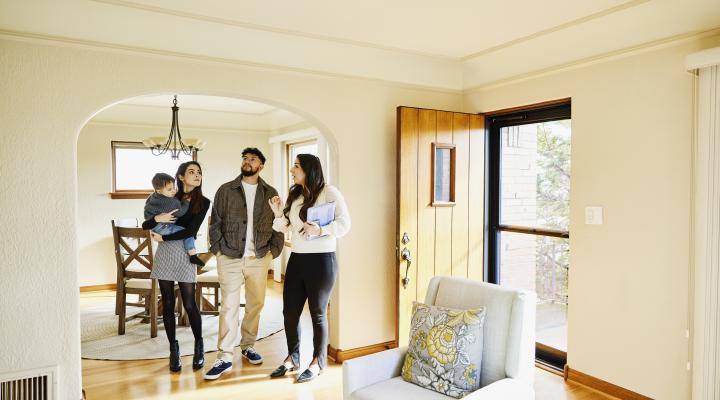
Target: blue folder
[[323, 215]]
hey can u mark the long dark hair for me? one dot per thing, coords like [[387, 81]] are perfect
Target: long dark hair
[[196, 195], [314, 184]]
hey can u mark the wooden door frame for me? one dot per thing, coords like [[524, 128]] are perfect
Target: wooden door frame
[[398, 261]]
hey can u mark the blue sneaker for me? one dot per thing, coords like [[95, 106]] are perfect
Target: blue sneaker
[[219, 367], [252, 356]]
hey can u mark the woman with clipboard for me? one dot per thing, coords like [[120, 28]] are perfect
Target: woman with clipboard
[[316, 215]]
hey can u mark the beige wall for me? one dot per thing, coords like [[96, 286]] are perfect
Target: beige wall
[[631, 154], [220, 161], [49, 93], [628, 281]]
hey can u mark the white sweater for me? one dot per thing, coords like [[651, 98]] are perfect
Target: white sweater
[[327, 242]]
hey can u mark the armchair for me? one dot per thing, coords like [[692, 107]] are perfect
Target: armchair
[[508, 361]]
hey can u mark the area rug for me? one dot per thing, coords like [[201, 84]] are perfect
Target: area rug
[[100, 340]]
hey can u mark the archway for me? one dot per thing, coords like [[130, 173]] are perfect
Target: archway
[[104, 130]]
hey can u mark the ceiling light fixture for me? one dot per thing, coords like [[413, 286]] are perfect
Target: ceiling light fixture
[[174, 142]]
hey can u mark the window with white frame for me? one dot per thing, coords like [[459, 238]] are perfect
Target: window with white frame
[[293, 149], [134, 166]]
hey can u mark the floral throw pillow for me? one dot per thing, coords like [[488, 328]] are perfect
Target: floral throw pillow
[[445, 352]]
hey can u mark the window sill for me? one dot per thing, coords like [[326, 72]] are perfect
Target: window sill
[[141, 194]]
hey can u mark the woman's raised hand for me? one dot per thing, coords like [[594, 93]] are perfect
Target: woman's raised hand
[[276, 205], [166, 218]]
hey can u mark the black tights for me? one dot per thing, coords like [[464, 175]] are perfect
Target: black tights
[[309, 277], [187, 292]]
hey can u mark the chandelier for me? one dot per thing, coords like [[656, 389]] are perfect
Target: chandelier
[[174, 143]]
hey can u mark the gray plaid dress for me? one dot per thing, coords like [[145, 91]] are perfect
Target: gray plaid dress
[[172, 263]]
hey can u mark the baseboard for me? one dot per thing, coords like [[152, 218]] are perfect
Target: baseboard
[[95, 288], [550, 369], [601, 385], [341, 355]]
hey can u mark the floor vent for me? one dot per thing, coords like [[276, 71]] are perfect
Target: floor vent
[[37, 384]]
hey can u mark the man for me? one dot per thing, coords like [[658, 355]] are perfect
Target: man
[[242, 238]]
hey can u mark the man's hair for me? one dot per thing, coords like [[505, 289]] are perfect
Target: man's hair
[[254, 151], [161, 179]]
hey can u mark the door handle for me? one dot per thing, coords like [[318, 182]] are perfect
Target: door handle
[[405, 255]]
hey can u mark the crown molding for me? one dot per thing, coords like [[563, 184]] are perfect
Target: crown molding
[[298, 126], [247, 64], [266, 113], [121, 49], [295, 135], [598, 59], [266, 28], [556, 28], [370, 45]]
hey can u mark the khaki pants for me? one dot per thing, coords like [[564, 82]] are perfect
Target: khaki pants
[[232, 274]]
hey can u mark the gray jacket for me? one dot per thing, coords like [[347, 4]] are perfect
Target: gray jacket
[[228, 221], [158, 204]]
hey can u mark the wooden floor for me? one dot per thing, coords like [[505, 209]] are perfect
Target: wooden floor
[[150, 379]]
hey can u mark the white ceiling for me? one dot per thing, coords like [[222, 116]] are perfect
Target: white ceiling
[[451, 45], [202, 112], [454, 29]]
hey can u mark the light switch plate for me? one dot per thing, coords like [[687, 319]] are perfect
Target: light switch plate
[[593, 215]]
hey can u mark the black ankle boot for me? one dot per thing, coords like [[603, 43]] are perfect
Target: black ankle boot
[[199, 356], [175, 364]]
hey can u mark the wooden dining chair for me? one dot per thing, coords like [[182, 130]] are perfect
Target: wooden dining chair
[[134, 258], [207, 290]]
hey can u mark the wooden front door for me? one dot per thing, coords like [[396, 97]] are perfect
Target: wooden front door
[[437, 235]]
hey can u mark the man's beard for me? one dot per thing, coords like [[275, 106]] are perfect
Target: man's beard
[[248, 172]]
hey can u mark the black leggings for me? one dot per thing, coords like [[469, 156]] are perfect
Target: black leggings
[[311, 277], [187, 292]]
